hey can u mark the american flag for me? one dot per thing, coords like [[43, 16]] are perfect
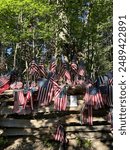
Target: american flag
[[95, 98], [87, 117], [19, 100], [60, 134], [74, 67], [45, 93], [4, 80], [81, 69], [34, 69], [52, 67], [42, 70], [60, 102], [28, 98], [56, 89], [63, 72]]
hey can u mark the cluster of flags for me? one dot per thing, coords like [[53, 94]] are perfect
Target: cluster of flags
[[20, 100], [52, 89], [97, 95]]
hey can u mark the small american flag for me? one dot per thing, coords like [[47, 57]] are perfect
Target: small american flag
[[19, 100], [52, 67], [4, 80], [34, 69], [60, 134], [45, 93], [81, 69], [87, 117], [95, 98], [74, 67], [60, 102], [64, 72], [42, 70]]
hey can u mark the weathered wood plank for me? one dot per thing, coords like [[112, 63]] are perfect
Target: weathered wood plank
[[35, 123], [7, 92], [43, 131], [8, 110]]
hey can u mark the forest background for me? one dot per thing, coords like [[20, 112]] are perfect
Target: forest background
[[40, 29]]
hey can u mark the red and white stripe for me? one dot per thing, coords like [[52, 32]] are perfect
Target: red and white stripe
[[34, 69], [74, 67], [52, 67], [42, 70], [60, 103], [60, 134], [19, 100], [4, 80], [45, 94]]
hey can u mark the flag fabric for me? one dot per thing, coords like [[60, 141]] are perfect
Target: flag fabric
[[60, 102], [52, 67], [16, 85], [81, 68], [86, 114], [47, 90], [60, 134], [45, 93], [19, 100], [63, 71], [74, 67], [4, 80], [34, 69], [95, 98], [42, 70], [28, 98], [4, 88], [57, 90], [4, 83]]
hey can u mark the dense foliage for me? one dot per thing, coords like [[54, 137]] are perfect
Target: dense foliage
[[36, 28]]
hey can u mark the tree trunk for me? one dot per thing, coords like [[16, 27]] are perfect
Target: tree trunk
[[15, 55]]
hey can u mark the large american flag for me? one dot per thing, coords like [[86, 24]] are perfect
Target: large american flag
[[87, 117]]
